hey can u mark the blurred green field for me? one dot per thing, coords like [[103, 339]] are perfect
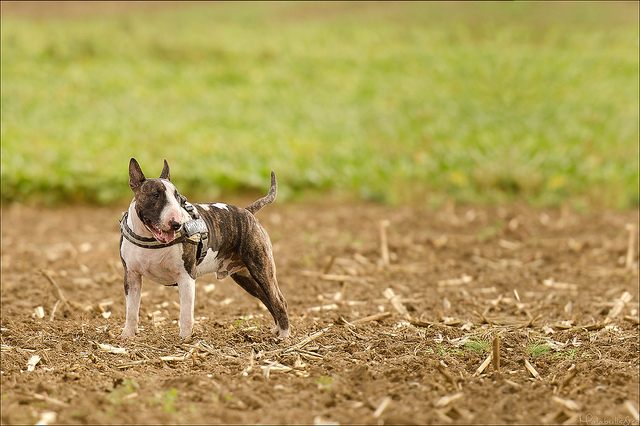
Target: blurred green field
[[399, 103]]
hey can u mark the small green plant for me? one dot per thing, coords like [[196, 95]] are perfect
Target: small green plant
[[325, 383], [569, 354], [477, 345], [166, 400], [245, 324], [443, 351], [118, 395], [538, 348], [217, 399]]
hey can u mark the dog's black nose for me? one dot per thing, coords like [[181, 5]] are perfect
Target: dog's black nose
[[175, 225]]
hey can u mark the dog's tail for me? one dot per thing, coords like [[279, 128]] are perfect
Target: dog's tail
[[266, 200]]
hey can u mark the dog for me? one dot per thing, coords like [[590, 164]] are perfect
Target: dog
[[172, 242]]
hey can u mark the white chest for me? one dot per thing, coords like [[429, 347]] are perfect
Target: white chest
[[163, 265]]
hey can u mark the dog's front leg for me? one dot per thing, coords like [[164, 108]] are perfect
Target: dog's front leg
[[132, 292], [187, 291]]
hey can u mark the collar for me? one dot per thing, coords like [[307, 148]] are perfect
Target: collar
[[194, 231], [145, 242]]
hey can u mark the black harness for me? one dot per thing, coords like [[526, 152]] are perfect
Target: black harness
[[194, 231]]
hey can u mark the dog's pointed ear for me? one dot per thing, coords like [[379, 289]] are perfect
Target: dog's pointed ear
[[165, 171], [136, 177]]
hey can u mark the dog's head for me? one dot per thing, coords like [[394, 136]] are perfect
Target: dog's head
[[157, 202]]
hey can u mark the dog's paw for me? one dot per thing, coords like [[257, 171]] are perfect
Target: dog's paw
[[185, 336], [189, 338], [280, 333], [127, 335], [283, 334]]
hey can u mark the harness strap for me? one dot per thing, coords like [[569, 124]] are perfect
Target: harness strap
[[144, 242], [194, 231], [196, 226]]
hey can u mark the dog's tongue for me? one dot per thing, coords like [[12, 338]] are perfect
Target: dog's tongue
[[164, 236], [159, 234]]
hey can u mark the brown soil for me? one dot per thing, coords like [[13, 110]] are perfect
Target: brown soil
[[544, 284]]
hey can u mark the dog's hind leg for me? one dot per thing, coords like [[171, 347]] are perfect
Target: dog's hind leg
[[132, 292], [275, 303], [244, 280]]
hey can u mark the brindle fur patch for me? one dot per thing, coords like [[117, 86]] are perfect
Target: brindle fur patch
[[230, 265], [189, 252], [150, 200]]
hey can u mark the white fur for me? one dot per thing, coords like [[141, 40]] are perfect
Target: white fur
[[209, 264], [164, 266], [221, 206], [172, 209], [212, 264]]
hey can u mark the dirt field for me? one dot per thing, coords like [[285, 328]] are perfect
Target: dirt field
[[552, 289]]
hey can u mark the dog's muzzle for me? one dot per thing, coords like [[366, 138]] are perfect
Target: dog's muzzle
[[194, 231]]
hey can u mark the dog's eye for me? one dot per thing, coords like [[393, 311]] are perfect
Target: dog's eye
[[156, 195]]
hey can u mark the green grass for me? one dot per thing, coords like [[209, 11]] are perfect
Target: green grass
[[478, 345], [444, 351], [393, 102], [538, 348]]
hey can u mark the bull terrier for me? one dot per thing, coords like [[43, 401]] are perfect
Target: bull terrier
[[172, 242]]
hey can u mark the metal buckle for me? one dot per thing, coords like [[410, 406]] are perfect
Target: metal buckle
[[196, 226]]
